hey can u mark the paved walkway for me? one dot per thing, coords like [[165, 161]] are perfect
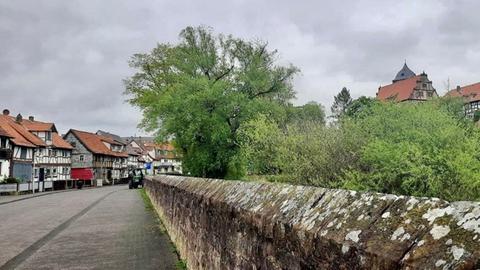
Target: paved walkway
[[105, 228]]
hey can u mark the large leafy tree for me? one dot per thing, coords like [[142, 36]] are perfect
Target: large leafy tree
[[202, 90]]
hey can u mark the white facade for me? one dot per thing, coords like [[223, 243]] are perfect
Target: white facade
[[4, 162], [46, 136], [50, 163], [4, 169]]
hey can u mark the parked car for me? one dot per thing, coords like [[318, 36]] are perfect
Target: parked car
[[135, 178]]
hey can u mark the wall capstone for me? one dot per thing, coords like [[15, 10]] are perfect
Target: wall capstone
[[218, 224]]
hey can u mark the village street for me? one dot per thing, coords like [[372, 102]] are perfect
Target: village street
[[101, 228]]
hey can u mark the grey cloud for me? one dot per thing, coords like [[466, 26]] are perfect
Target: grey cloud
[[64, 61]]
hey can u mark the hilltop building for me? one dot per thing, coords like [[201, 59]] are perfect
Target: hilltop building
[[406, 86], [471, 95]]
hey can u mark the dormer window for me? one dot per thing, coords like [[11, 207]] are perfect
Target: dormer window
[[48, 136]]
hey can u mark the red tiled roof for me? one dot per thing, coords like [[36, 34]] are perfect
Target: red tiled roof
[[38, 126], [4, 133], [398, 91], [20, 135], [470, 92], [59, 142], [94, 143], [28, 125]]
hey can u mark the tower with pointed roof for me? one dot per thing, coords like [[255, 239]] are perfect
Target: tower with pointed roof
[[407, 86], [404, 73]]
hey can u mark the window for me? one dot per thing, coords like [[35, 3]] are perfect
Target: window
[[23, 153], [82, 157], [3, 143], [48, 136]]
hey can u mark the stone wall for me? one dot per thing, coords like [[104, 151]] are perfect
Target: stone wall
[[218, 224]]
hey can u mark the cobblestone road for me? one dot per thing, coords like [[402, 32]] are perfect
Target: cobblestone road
[[104, 228]]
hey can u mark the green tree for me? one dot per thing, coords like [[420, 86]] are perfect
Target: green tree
[[417, 149], [360, 106], [202, 90], [341, 102], [310, 112], [261, 141]]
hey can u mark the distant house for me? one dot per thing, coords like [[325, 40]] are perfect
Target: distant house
[[471, 95], [138, 144], [135, 159], [406, 86], [118, 141], [95, 157], [164, 158], [158, 158]]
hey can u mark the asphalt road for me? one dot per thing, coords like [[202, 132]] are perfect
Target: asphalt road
[[103, 228]]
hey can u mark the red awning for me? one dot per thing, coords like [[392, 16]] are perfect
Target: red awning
[[82, 174]]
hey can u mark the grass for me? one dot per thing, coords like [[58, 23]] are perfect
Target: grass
[[146, 200], [181, 264]]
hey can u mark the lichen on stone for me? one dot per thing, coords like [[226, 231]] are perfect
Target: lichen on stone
[[457, 252], [353, 236], [386, 215], [438, 232]]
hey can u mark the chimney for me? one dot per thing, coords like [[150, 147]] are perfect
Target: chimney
[[6, 112], [19, 118], [31, 118]]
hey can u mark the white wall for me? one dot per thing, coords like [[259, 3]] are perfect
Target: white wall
[[4, 169]]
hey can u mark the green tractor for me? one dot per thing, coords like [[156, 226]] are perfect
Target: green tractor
[[135, 178]]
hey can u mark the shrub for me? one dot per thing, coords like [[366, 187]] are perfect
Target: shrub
[[11, 180]]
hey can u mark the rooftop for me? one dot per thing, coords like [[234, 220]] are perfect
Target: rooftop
[[95, 143]]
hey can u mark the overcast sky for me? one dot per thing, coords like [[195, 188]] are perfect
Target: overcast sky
[[64, 61]]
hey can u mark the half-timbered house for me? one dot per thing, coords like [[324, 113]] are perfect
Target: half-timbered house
[[39, 152], [95, 157], [22, 145], [471, 96], [52, 161]]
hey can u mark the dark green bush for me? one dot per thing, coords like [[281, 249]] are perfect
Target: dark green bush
[[11, 180]]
